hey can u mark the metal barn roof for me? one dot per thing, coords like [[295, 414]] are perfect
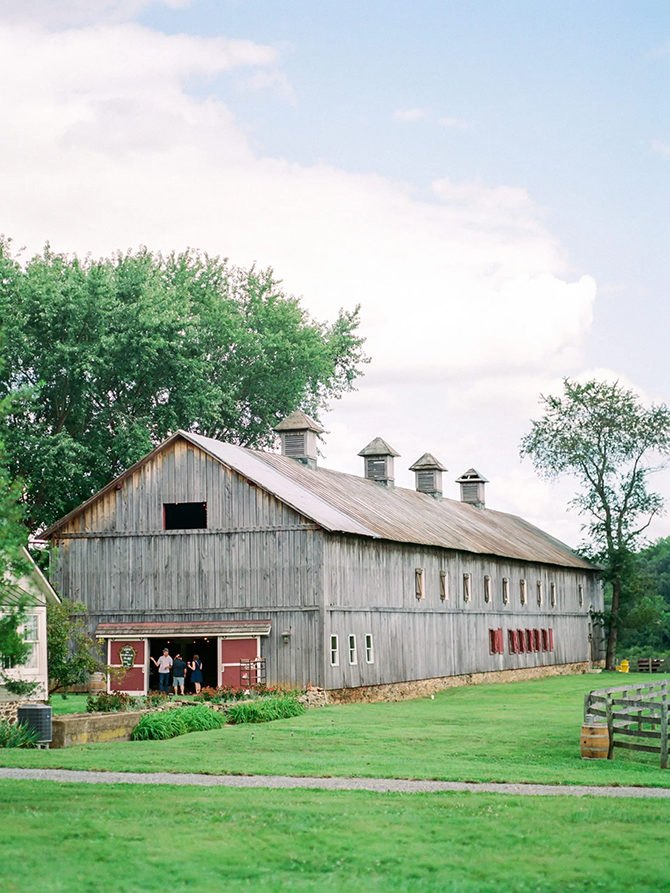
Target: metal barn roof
[[346, 503]]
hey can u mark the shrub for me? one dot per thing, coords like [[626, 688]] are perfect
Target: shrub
[[109, 702], [17, 735], [264, 710], [157, 699], [170, 723]]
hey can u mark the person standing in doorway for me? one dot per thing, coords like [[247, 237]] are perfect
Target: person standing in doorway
[[196, 672], [178, 673], [163, 663]]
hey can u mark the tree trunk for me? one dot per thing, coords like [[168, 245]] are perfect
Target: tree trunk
[[610, 662]]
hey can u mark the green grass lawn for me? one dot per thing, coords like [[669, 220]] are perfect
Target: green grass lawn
[[69, 704], [81, 838], [525, 731]]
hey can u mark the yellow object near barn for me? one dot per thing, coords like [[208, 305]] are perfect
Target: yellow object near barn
[[624, 667]]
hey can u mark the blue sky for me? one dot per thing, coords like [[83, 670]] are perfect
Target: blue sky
[[564, 99], [488, 180]]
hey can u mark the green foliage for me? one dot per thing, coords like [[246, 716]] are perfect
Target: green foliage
[[17, 735], [72, 654], [109, 702], [177, 721], [646, 632], [264, 710], [600, 434], [105, 358]]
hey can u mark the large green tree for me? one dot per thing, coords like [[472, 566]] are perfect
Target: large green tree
[[602, 436], [13, 602], [107, 357]]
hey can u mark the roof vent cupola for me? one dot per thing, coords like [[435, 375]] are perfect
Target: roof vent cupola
[[472, 488], [298, 437], [428, 475], [378, 458]]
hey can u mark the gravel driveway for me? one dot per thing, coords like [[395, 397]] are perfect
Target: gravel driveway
[[381, 785]]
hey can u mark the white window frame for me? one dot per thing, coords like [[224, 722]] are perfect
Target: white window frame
[[352, 650], [334, 651], [369, 649], [487, 588], [467, 587], [31, 636], [505, 590]]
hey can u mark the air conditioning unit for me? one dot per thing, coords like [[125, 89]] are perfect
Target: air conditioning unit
[[38, 717]]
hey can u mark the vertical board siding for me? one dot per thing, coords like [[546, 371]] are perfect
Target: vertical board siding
[[370, 588], [261, 559]]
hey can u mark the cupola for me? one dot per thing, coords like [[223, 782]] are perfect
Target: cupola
[[378, 458], [472, 488], [428, 475], [298, 437]]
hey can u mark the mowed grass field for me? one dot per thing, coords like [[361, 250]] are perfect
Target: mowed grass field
[[135, 839], [515, 732]]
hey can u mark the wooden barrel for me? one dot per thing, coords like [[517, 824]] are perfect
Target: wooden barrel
[[97, 683], [594, 741]]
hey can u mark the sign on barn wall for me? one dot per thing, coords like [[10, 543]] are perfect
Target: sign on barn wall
[[127, 655]]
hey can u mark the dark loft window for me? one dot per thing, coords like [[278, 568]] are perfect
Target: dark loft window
[[184, 515]]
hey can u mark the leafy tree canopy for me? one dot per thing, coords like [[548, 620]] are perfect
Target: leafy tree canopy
[[600, 434], [106, 358], [72, 655]]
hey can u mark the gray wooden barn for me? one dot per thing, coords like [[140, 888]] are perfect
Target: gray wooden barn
[[256, 560]]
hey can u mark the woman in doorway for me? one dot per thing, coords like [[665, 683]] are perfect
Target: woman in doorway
[[196, 672]]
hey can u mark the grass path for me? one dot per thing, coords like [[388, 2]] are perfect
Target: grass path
[[85, 839], [516, 732]]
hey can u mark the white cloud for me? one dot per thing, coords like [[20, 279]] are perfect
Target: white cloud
[[409, 115], [53, 13], [466, 300]]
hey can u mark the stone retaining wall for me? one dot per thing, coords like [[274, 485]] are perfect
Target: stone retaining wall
[[419, 688], [88, 728], [9, 710]]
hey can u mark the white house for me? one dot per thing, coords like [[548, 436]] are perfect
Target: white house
[[37, 587]]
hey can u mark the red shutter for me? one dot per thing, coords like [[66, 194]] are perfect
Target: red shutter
[[500, 644], [545, 640], [536, 640], [492, 641], [521, 640], [529, 640], [551, 639]]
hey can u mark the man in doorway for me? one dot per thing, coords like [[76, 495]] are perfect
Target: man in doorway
[[163, 663], [178, 673]]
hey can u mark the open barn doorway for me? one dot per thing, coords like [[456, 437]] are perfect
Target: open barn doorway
[[204, 647]]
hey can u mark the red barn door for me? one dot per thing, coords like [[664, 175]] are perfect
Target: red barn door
[[129, 656], [232, 652]]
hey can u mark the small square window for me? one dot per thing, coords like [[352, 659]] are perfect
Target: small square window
[[369, 652], [352, 650], [184, 515], [444, 586], [334, 652], [467, 591], [505, 590]]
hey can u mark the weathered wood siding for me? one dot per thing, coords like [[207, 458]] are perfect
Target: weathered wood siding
[[370, 589], [257, 559]]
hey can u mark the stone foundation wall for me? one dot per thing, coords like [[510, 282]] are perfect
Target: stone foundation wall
[[9, 711], [419, 688]]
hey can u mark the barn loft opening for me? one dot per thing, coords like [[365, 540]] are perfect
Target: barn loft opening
[[184, 515]]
